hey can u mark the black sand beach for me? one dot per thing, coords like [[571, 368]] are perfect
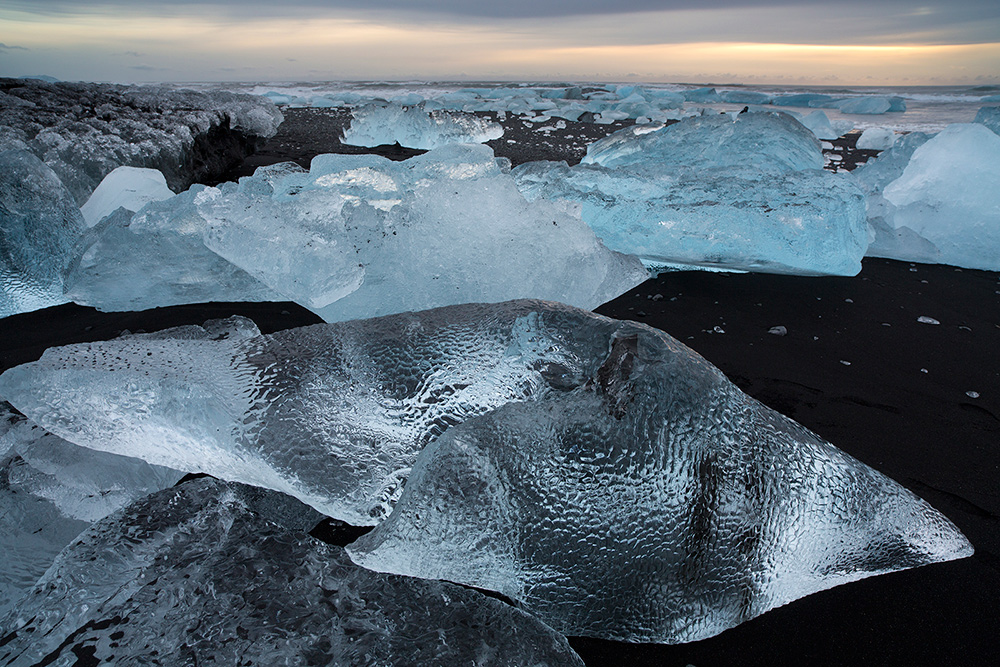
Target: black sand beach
[[918, 402]]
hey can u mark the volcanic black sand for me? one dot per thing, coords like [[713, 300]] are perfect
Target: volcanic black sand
[[918, 401]]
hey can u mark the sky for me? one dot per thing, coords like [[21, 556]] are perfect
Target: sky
[[845, 42]]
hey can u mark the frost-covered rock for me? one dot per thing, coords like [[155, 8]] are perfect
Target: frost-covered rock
[[83, 131], [130, 188], [39, 223], [647, 500], [199, 574], [714, 192], [761, 140], [374, 125], [948, 195], [356, 236], [877, 139], [990, 117], [50, 491]]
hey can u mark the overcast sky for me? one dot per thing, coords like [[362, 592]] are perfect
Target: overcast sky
[[779, 41]]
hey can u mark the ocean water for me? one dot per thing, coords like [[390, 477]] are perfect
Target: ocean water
[[928, 108]]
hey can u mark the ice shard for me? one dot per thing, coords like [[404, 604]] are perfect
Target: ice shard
[[39, 225], [355, 236], [375, 124], [650, 500], [195, 575], [50, 491]]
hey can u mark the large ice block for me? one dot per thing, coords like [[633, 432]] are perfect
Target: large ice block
[[808, 222], [649, 500], [39, 223], [198, 575], [764, 140], [948, 195], [377, 124], [50, 491]]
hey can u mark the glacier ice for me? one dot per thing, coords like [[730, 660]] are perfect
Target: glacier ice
[[947, 195], [130, 188], [374, 125], [865, 105], [990, 117], [355, 236], [83, 131], [39, 224], [50, 491], [646, 500], [197, 574], [762, 140], [714, 192], [820, 124], [876, 138]]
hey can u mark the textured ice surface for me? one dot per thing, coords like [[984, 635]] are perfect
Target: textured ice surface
[[197, 575], [83, 131], [125, 187], [39, 223], [648, 500], [374, 125], [990, 117], [877, 138], [356, 236], [806, 222], [948, 195], [761, 140], [50, 491]]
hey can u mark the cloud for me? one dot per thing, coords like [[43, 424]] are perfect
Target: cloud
[[147, 68], [12, 47]]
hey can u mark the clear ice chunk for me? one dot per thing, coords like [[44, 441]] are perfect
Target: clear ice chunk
[[375, 124], [197, 574], [650, 500], [50, 491], [877, 139], [130, 188], [39, 225], [990, 117], [764, 140], [948, 195], [865, 105]]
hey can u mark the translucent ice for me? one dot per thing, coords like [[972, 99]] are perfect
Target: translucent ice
[[648, 500], [820, 125], [356, 236], [125, 187], [877, 138], [50, 491], [865, 105], [806, 222], [762, 140], [990, 117], [39, 223], [196, 575], [947, 194], [374, 125]]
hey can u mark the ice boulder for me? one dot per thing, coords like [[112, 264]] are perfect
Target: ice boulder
[[39, 224], [51, 491], [876, 139], [761, 140], [745, 97], [374, 125], [355, 236], [199, 574], [130, 188], [865, 105], [990, 117], [948, 195], [701, 95], [820, 124], [802, 100], [648, 499]]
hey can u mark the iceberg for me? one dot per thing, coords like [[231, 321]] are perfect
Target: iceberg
[[51, 491], [713, 192], [83, 131], [877, 139], [413, 127], [947, 195], [647, 500], [130, 188], [203, 574], [865, 105], [990, 117], [355, 236], [39, 225]]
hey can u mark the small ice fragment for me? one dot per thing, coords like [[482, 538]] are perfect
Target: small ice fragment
[[923, 319], [778, 331], [924, 370], [849, 300], [972, 394], [846, 363], [718, 329]]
